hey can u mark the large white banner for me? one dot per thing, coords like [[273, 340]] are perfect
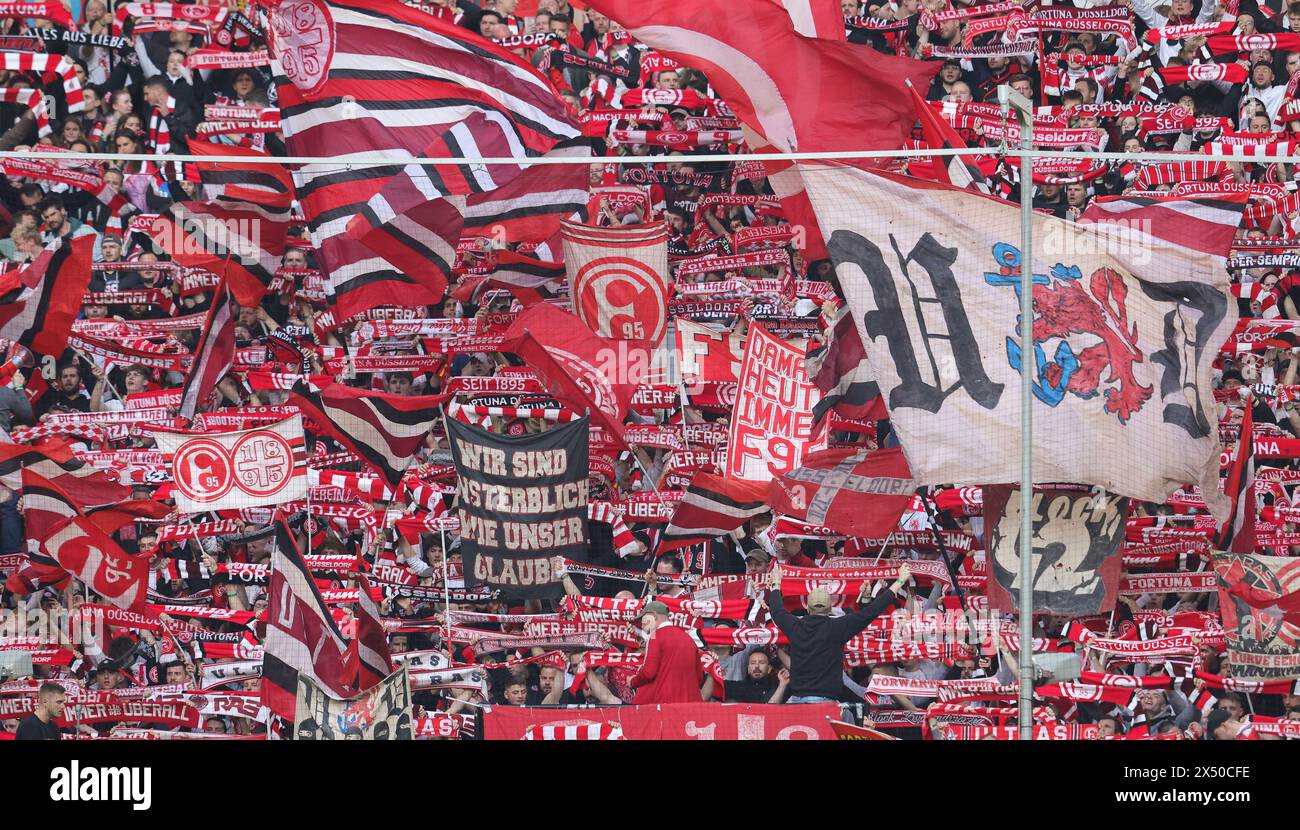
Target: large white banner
[[248, 468], [1126, 328]]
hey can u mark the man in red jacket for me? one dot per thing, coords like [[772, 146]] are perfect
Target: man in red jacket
[[671, 672]]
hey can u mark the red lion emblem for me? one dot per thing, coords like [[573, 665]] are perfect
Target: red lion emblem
[[1063, 310], [1095, 344]]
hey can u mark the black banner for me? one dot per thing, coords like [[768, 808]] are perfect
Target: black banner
[[521, 501], [58, 35], [1077, 537]]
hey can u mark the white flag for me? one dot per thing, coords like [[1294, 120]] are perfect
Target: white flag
[[249, 468], [1128, 321]]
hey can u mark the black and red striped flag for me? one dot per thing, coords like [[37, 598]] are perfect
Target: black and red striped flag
[[301, 635], [839, 368], [385, 430], [413, 232], [381, 79], [529, 280], [712, 506], [1238, 533], [39, 302], [240, 228], [374, 662], [530, 206], [214, 355]]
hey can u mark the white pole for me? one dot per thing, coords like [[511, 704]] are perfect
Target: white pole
[[1009, 98], [446, 588], [373, 160]]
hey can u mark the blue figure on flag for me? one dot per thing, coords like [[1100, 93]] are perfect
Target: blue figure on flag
[[1091, 330]]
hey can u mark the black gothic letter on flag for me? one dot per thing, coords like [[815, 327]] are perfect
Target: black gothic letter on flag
[[889, 321]]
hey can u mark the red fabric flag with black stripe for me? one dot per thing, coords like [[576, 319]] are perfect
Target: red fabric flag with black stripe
[[38, 303], [385, 430]]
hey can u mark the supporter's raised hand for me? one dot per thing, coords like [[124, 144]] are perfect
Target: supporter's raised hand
[[904, 574]]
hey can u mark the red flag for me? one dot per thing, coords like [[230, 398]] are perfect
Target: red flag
[[89, 554], [374, 662], [707, 354], [39, 302], [385, 430], [575, 365], [849, 491], [213, 357], [530, 206], [618, 277], [379, 76], [529, 280], [839, 368], [788, 87], [1207, 224], [1238, 532], [940, 135], [713, 506], [301, 636], [816, 18], [258, 183], [205, 227]]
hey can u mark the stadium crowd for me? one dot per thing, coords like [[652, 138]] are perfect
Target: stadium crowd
[[665, 624]]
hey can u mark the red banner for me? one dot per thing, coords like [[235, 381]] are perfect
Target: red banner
[[771, 429], [676, 721]]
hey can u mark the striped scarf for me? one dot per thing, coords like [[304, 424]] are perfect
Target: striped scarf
[[159, 132], [59, 65], [1172, 172], [34, 101]]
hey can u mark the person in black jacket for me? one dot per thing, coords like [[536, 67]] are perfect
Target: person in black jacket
[[40, 725], [817, 640]]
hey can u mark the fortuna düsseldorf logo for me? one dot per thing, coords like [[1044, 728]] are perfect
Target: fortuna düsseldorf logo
[[302, 39], [263, 462], [259, 465], [203, 470], [621, 298]]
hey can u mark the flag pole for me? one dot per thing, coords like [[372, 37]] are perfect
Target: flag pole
[[442, 533], [446, 589], [1008, 98]]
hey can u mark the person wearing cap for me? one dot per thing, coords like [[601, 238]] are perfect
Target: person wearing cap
[[107, 676], [757, 560], [671, 671], [817, 640]]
